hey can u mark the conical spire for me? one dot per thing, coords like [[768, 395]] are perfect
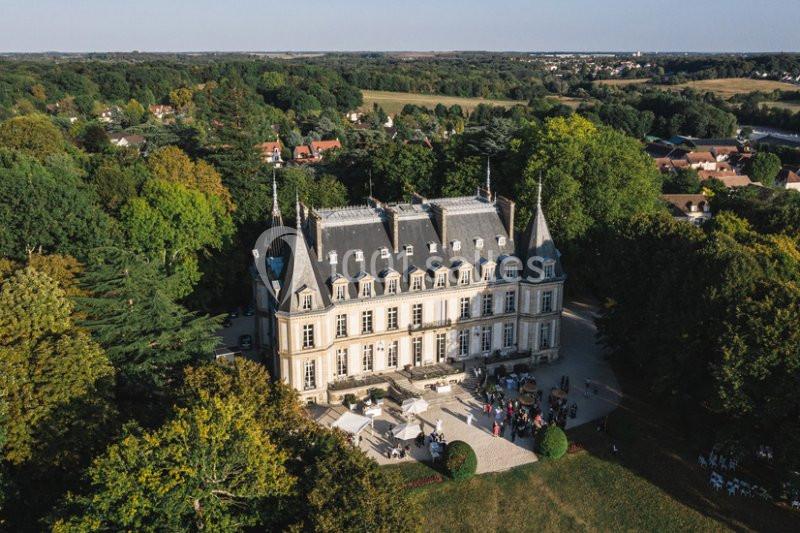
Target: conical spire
[[540, 242], [277, 219], [276, 247], [300, 275]]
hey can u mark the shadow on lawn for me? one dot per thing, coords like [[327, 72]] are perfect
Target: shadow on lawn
[[652, 445]]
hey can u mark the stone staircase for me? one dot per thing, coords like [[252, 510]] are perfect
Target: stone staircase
[[401, 388]]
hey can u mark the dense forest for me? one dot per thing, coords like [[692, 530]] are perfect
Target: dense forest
[[115, 262]]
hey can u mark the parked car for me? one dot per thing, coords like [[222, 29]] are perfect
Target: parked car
[[233, 313], [250, 310], [245, 342]]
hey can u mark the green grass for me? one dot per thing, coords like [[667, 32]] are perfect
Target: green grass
[[653, 485], [791, 105]]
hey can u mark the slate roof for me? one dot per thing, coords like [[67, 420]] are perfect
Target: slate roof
[[367, 229]]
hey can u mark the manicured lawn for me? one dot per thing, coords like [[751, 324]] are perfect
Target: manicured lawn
[[393, 102], [652, 485]]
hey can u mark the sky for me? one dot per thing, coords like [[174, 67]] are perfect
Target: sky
[[413, 25]]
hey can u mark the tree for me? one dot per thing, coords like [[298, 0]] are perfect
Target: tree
[[181, 98], [116, 180], [682, 181], [338, 488], [170, 163], [325, 191], [172, 224], [553, 442], [56, 400], [211, 468], [95, 139], [133, 312], [35, 135], [764, 167], [134, 112], [591, 177], [460, 460], [46, 208]]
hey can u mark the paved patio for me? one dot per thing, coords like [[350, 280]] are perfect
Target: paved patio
[[581, 359]]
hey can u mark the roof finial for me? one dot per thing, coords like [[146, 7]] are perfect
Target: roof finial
[[297, 209], [274, 193], [488, 177], [539, 196]]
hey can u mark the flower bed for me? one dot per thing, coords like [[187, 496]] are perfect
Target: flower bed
[[424, 481]]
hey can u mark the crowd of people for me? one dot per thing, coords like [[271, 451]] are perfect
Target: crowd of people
[[520, 418]]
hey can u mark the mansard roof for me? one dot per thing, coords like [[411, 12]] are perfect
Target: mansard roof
[[478, 223]]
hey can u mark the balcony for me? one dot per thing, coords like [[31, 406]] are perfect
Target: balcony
[[436, 324]]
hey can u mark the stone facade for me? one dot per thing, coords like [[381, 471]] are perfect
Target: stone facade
[[373, 289]]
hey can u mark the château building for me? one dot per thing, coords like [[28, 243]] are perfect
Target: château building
[[372, 289]]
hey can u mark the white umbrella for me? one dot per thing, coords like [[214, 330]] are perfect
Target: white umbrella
[[414, 406], [407, 431], [352, 423]]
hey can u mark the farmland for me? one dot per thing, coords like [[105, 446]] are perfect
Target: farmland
[[393, 102], [728, 87]]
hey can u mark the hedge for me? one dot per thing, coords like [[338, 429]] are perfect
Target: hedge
[[460, 460], [553, 443]]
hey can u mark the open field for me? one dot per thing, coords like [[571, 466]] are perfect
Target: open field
[[571, 101], [622, 82], [653, 484], [728, 87], [393, 102], [791, 105]]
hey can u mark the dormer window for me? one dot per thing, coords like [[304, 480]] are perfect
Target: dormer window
[[365, 290], [501, 240], [441, 280], [478, 243], [384, 253], [456, 245], [340, 292], [307, 301], [549, 270], [487, 272], [512, 271], [333, 258], [359, 256], [340, 289], [416, 282], [432, 247], [391, 286], [465, 276], [409, 249]]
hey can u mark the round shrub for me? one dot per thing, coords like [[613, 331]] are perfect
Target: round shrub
[[460, 460], [553, 443]]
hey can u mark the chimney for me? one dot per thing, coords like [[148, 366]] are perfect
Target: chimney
[[315, 228], [394, 228], [440, 220], [507, 208]]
